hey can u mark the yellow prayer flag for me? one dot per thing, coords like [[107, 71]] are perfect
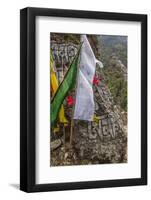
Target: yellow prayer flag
[[96, 118], [54, 87]]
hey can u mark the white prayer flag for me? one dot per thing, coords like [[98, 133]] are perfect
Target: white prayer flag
[[84, 104]]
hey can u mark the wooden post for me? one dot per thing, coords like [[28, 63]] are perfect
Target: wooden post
[[72, 120], [63, 125], [64, 138], [71, 132]]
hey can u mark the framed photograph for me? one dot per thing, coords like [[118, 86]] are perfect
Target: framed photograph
[[83, 99]]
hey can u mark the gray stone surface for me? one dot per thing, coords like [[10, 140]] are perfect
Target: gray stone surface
[[103, 141]]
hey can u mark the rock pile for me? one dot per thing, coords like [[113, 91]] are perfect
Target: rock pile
[[104, 141]]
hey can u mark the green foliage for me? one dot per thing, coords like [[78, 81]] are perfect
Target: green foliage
[[117, 86], [121, 51], [113, 45]]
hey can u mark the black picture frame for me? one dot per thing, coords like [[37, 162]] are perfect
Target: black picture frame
[[28, 98]]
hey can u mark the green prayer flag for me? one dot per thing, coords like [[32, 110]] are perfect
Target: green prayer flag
[[67, 84]]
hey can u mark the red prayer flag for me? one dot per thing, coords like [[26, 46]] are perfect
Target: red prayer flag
[[70, 101], [95, 80]]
